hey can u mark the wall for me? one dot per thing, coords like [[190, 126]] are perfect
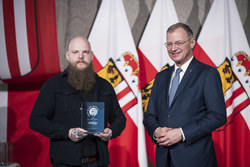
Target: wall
[[76, 17]]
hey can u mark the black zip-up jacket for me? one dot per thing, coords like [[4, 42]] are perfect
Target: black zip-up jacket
[[57, 109]]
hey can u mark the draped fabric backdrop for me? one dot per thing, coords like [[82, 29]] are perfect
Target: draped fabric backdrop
[[34, 37]]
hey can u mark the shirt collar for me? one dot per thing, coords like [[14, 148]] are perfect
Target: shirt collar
[[184, 66]]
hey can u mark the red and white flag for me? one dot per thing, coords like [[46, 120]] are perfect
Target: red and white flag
[[14, 46], [28, 42], [152, 52], [111, 37], [28, 57], [223, 44]]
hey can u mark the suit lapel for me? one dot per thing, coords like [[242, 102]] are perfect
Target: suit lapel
[[186, 78], [168, 78]]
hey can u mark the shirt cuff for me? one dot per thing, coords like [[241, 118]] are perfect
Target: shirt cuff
[[183, 136], [154, 134]]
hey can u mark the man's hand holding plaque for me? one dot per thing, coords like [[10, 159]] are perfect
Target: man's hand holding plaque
[[77, 134], [106, 135]]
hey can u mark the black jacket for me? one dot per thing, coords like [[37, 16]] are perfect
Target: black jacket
[[57, 109]]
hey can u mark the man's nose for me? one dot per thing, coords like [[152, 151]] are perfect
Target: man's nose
[[81, 55], [173, 46]]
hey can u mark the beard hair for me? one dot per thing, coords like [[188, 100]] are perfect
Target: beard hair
[[81, 80]]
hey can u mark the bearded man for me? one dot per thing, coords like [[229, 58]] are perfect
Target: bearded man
[[58, 111]]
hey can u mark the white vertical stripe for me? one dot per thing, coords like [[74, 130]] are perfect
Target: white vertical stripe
[[3, 112], [4, 66], [152, 42], [141, 132], [111, 35], [21, 36]]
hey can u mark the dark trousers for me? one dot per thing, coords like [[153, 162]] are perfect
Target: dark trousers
[[170, 163]]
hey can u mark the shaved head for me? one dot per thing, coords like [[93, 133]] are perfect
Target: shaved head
[[79, 40]]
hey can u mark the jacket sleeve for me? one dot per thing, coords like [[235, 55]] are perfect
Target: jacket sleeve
[[42, 114], [150, 117], [215, 109]]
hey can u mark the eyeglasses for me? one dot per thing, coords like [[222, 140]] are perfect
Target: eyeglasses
[[178, 43]]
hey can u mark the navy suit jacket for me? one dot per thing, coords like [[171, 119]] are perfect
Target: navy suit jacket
[[198, 108]]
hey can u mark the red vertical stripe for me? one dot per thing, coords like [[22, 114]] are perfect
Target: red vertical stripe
[[10, 37], [47, 35], [202, 56], [147, 73], [147, 70], [123, 149], [97, 64], [231, 144], [31, 33]]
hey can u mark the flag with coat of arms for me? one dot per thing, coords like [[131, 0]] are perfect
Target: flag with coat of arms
[[222, 43], [116, 60], [28, 57], [25, 69], [153, 56]]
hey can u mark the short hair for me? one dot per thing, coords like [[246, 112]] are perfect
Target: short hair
[[181, 25]]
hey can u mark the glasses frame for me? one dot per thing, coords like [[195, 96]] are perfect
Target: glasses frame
[[178, 43]]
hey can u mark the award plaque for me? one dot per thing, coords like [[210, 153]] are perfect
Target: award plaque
[[93, 120]]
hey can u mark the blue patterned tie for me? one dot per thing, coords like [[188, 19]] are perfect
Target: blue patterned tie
[[174, 85]]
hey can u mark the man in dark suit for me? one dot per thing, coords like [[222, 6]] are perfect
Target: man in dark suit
[[186, 105]]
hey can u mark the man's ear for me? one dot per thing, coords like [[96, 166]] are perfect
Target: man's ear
[[92, 55], [192, 43], [67, 55]]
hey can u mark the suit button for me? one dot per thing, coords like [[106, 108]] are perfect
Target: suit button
[[169, 116]]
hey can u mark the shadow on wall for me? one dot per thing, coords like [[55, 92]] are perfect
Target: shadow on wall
[[25, 149], [193, 18], [26, 155]]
